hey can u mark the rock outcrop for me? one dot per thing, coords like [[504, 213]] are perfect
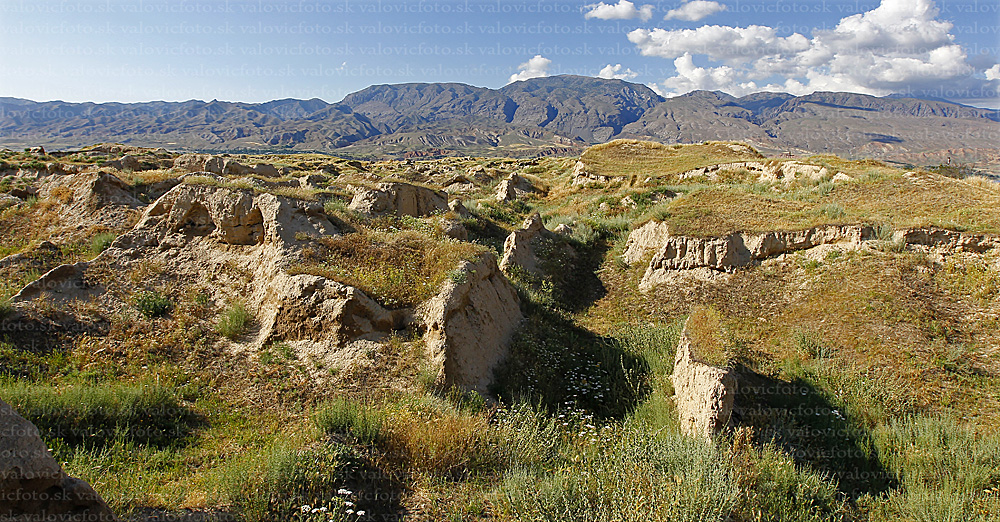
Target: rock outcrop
[[312, 308], [522, 247], [469, 325], [741, 249], [704, 394], [518, 249], [222, 165], [766, 171], [402, 199], [32, 484], [514, 187]]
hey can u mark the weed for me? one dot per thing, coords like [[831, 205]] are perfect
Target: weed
[[234, 321], [458, 276], [152, 304]]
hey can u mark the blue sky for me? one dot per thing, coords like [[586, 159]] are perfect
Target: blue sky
[[258, 50]]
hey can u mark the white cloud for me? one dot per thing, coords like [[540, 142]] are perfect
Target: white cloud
[[615, 72], [623, 10], [723, 43], [536, 67], [900, 46], [993, 73], [694, 10]]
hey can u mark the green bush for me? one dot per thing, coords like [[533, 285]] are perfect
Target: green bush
[[152, 304], [234, 321]]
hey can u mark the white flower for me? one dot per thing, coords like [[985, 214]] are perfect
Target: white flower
[[348, 503], [361, 513], [343, 491], [306, 508]]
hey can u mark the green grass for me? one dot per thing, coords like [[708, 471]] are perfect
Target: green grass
[[100, 242], [234, 321], [92, 415], [947, 471], [152, 304], [362, 423]]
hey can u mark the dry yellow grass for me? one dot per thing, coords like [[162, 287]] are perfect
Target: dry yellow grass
[[704, 328], [627, 158]]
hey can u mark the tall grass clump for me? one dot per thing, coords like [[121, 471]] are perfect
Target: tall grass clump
[[234, 321], [101, 242], [284, 482], [363, 423]]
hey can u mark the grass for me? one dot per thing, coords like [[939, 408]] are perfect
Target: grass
[[345, 417], [876, 371], [640, 159], [234, 321], [706, 332], [152, 304], [100, 242], [398, 269], [99, 415], [947, 471]]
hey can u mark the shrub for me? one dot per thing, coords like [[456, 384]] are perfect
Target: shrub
[[152, 304], [234, 321]]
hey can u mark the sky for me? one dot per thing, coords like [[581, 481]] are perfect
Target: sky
[[260, 50]]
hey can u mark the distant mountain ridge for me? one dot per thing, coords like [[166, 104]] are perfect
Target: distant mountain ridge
[[552, 115]]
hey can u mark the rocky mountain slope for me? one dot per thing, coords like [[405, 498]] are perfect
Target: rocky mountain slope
[[693, 332], [541, 116]]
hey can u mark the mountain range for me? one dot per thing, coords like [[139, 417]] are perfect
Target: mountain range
[[541, 116]]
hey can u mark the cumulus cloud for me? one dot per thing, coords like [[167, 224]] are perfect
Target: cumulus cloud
[[615, 72], [993, 73], [536, 67], [623, 10], [718, 42], [694, 10], [900, 46]]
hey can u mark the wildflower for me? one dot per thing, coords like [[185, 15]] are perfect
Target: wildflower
[[343, 491], [305, 508], [361, 513], [348, 503]]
